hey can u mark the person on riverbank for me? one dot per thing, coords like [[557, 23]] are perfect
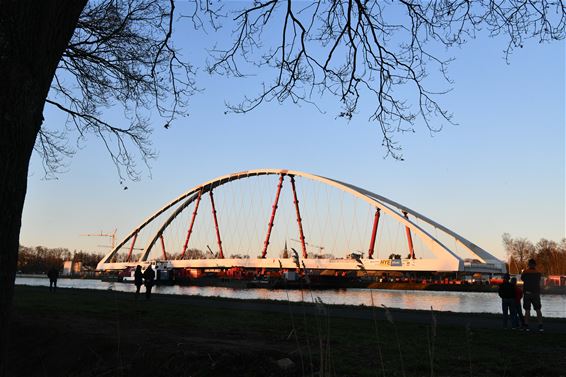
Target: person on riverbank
[[148, 277], [507, 294], [531, 293], [518, 298], [138, 279], [53, 275]]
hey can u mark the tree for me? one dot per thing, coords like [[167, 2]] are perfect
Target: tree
[[78, 57], [519, 251], [40, 259], [550, 255], [87, 259], [82, 56], [374, 49]]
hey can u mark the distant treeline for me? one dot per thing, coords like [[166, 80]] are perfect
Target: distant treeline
[[39, 259], [549, 255]]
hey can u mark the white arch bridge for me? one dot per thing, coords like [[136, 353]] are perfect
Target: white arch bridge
[[439, 248]]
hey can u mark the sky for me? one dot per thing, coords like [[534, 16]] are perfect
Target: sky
[[501, 169]]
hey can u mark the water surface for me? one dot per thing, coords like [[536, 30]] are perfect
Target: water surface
[[465, 302]]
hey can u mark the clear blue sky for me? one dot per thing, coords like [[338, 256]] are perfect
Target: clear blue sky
[[501, 169]]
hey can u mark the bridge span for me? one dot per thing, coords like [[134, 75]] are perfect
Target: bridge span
[[440, 248]]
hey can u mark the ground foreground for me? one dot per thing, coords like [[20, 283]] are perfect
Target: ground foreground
[[108, 333]]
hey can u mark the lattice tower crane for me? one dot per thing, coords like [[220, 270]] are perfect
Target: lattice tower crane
[[320, 248], [111, 235]]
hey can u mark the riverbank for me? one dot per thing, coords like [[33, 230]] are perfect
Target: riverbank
[[315, 285], [94, 333]]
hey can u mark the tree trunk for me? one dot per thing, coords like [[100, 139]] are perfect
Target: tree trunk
[[33, 37]]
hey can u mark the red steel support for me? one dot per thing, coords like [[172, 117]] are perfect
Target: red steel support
[[221, 254], [296, 201], [270, 225], [132, 247], [163, 246], [409, 238], [191, 226], [373, 233]]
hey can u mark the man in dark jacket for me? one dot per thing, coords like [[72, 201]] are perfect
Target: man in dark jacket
[[148, 277], [138, 279], [507, 294], [53, 274], [531, 293]]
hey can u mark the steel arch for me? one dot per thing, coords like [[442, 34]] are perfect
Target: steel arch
[[451, 260]]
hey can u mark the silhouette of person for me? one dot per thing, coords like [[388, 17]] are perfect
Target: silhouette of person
[[531, 293], [507, 294], [148, 277], [53, 274], [518, 297], [138, 279]]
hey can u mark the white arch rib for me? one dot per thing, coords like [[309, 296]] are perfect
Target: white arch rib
[[386, 205]]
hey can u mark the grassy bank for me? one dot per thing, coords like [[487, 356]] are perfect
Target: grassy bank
[[107, 333]]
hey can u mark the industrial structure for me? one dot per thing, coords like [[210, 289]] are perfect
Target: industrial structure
[[444, 257]]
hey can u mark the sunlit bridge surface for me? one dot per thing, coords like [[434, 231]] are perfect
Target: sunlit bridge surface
[[284, 219]]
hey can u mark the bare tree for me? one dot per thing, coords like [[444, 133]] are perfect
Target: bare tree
[[82, 57], [550, 255], [120, 54], [386, 52], [518, 251]]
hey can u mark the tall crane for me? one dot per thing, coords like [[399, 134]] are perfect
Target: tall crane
[[111, 235], [320, 248]]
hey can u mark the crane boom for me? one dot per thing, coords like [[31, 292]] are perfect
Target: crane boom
[[309, 244], [101, 234]]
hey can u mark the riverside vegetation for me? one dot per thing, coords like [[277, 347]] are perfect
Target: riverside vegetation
[[550, 256], [102, 333]]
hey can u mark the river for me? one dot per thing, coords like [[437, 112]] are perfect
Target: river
[[465, 302]]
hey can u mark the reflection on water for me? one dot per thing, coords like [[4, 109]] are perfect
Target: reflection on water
[[467, 302]]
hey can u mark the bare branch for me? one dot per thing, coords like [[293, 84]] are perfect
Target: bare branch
[[355, 48], [122, 54], [116, 140]]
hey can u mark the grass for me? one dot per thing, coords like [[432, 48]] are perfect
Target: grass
[[98, 333]]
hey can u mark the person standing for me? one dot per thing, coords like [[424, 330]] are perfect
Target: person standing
[[148, 277], [53, 274], [518, 298], [138, 279], [531, 293], [507, 294]]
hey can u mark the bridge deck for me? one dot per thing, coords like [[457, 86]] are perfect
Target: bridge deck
[[318, 264]]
